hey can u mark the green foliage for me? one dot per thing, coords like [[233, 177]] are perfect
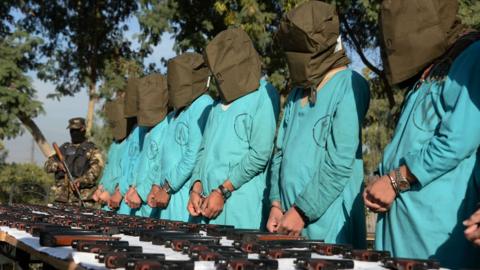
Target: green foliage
[[17, 96], [82, 39], [24, 183]]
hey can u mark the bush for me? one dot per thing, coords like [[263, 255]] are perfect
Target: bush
[[25, 183]]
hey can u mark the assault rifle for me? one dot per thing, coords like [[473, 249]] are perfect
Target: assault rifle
[[367, 255], [409, 264], [120, 260], [323, 264], [160, 265], [65, 238], [246, 264]]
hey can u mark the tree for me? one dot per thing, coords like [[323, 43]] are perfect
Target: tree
[[82, 37]]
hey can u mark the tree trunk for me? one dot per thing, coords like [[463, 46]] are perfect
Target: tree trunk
[[93, 99], [37, 135]]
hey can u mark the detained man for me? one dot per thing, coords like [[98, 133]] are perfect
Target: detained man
[[131, 151], [187, 86], [317, 171], [238, 138], [428, 182], [112, 171], [152, 112]]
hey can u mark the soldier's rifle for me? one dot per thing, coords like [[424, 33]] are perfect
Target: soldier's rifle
[[69, 174]]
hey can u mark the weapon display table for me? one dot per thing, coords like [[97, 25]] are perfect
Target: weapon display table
[[18, 225]]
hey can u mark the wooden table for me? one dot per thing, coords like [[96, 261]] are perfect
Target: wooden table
[[35, 255]]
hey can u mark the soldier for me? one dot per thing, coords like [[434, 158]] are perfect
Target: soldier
[[84, 161]]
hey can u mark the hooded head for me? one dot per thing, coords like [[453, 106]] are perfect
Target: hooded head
[[187, 78], [415, 33], [152, 100], [131, 98], [234, 64], [309, 35], [114, 111]]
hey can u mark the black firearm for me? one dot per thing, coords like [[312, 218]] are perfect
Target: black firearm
[[160, 265], [278, 253], [187, 249], [80, 245], [367, 255], [214, 255], [409, 264], [323, 264], [179, 244], [121, 259], [331, 249], [246, 264], [147, 235], [256, 246]]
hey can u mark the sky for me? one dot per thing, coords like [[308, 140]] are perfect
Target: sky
[[54, 121]]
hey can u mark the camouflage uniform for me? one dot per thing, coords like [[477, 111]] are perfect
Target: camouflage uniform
[[85, 163]]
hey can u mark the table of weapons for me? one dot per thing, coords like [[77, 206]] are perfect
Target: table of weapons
[[68, 237]]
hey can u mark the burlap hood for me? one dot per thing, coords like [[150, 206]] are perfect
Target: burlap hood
[[234, 64], [152, 100], [187, 78], [308, 35], [131, 98], [415, 33], [114, 111]]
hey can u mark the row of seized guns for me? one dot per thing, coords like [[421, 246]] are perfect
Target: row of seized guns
[[94, 231]]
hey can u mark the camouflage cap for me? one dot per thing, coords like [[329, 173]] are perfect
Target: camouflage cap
[[76, 123]]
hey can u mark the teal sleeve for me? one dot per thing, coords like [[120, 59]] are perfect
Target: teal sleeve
[[458, 135], [278, 156], [341, 148], [196, 174], [106, 173], [262, 134], [197, 116]]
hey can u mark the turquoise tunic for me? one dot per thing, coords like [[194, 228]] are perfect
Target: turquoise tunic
[[237, 145], [133, 147], [182, 143], [437, 137], [112, 170], [148, 168], [318, 161]]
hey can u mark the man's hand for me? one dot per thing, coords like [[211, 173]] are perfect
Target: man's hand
[[96, 194], [379, 194], [291, 223], [115, 199], [212, 206], [274, 218], [104, 197], [132, 199], [151, 198], [196, 199], [472, 232], [162, 198]]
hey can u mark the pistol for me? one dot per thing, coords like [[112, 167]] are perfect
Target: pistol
[[409, 264], [323, 264]]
